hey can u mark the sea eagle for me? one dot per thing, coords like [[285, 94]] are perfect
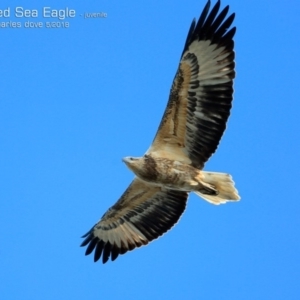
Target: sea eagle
[[189, 133]]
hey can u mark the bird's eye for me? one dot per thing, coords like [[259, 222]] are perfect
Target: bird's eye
[[131, 158]]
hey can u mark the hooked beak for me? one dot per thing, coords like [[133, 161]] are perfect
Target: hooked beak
[[125, 160]]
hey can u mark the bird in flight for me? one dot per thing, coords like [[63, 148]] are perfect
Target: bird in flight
[[189, 133]]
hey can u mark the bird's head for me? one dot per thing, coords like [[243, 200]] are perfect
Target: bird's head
[[133, 163]]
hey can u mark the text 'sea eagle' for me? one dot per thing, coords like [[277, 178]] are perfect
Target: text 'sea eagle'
[[189, 133]]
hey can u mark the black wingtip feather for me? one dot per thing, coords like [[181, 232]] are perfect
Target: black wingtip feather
[[221, 16], [106, 252], [85, 235], [114, 253], [90, 231], [91, 246], [224, 27], [87, 240], [189, 36], [203, 16], [209, 20], [217, 22], [230, 34], [98, 250]]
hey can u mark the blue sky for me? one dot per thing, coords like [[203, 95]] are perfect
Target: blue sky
[[75, 100]]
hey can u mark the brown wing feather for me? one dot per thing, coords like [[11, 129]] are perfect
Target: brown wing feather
[[201, 95], [142, 214]]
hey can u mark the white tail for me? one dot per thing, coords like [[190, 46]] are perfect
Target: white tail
[[223, 184]]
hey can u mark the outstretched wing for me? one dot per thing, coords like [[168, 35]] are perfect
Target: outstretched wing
[[142, 214], [201, 95]]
